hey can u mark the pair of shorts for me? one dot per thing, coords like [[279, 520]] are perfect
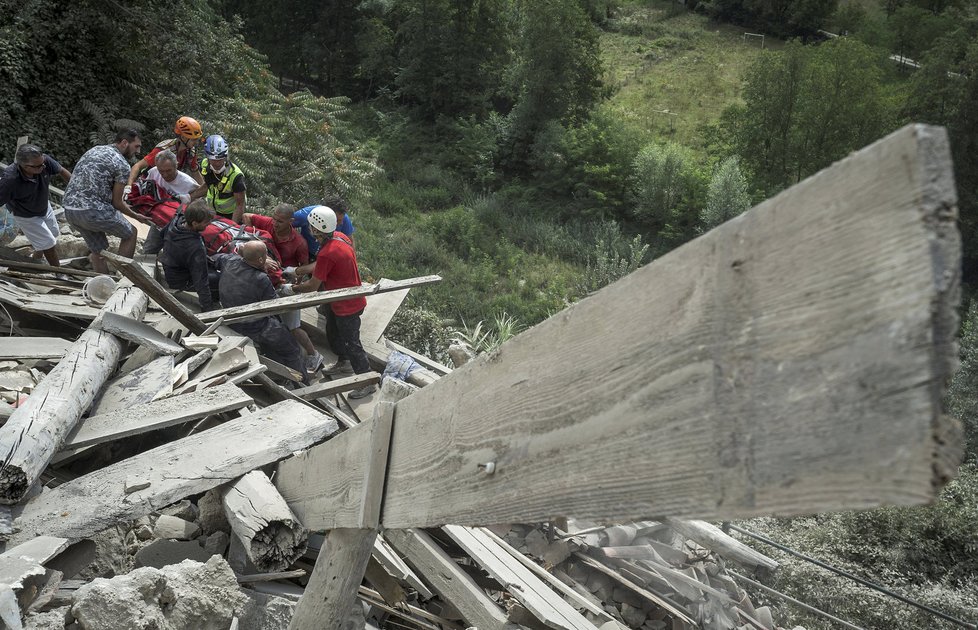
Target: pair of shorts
[[42, 232], [291, 319], [93, 225]]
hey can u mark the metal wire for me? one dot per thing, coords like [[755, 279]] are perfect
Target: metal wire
[[855, 578]]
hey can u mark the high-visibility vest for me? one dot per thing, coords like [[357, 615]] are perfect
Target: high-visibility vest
[[219, 195]]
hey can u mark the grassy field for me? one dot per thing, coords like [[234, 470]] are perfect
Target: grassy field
[[673, 73]]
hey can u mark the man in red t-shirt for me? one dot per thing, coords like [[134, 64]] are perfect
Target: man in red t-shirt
[[293, 252], [336, 268]]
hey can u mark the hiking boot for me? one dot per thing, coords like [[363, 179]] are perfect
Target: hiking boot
[[313, 362], [363, 392], [339, 368]]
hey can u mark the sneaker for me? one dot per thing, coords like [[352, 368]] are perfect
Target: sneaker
[[340, 367], [313, 362], [363, 392], [63, 277]]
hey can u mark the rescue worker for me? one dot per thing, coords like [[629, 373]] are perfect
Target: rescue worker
[[184, 147], [224, 183], [184, 257]]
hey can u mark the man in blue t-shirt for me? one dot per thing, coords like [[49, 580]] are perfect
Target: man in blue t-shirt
[[24, 187], [300, 221]]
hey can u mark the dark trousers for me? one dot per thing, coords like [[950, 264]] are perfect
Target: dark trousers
[[275, 342], [343, 334]]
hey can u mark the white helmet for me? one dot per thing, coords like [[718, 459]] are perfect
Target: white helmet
[[323, 219]]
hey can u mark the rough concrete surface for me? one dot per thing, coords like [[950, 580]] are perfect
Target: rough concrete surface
[[211, 513], [50, 620], [187, 595], [111, 557], [266, 612], [163, 552], [175, 527]]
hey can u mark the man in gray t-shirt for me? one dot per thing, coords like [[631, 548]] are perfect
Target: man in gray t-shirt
[[94, 203]]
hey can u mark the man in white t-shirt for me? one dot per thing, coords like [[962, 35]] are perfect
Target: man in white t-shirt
[[170, 180]]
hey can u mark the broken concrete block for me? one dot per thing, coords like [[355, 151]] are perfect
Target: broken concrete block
[[186, 595], [632, 616], [175, 528], [217, 543], [55, 619], [161, 553], [111, 557], [266, 612], [211, 513], [182, 509], [144, 532], [135, 484]]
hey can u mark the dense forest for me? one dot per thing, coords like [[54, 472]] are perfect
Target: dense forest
[[532, 151]]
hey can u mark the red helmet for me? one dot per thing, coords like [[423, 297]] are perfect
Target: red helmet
[[188, 128]]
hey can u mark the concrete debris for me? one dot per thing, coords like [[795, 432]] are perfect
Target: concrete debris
[[266, 612], [217, 543], [211, 513], [163, 552], [175, 528], [182, 509], [187, 595]]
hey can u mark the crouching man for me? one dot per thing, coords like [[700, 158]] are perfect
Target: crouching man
[[244, 281]]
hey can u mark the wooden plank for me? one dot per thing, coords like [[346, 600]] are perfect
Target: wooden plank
[[33, 347], [340, 385], [384, 554], [194, 464], [306, 300], [669, 606], [339, 477], [35, 431], [380, 310], [449, 580], [143, 385], [790, 361], [522, 584], [333, 585], [138, 276], [155, 415], [48, 268], [549, 578], [139, 333], [376, 469]]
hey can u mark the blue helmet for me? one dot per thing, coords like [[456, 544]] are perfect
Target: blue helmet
[[216, 147]]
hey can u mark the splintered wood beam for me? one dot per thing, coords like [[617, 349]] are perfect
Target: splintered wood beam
[[306, 300], [272, 537], [138, 276], [33, 347], [36, 429], [340, 385], [89, 504], [790, 361]]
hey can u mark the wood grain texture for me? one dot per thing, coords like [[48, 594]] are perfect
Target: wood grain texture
[[36, 430], [715, 539], [156, 415], [790, 361], [176, 470], [333, 585], [338, 386], [325, 485], [449, 580]]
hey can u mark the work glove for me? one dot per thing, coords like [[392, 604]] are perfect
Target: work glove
[[127, 190]]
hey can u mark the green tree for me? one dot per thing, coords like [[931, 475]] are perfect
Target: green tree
[[451, 54], [726, 196], [667, 189], [297, 148], [807, 106], [556, 74]]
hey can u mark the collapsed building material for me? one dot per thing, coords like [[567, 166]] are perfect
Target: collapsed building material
[[776, 320], [338, 386], [33, 347], [176, 470], [138, 333], [285, 304], [143, 385], [155, 415], [36, 430], [272, 536], [714, 538]]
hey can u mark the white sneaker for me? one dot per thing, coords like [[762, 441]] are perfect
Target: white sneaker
[[363, 392], [340, 367], [313, 362]]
